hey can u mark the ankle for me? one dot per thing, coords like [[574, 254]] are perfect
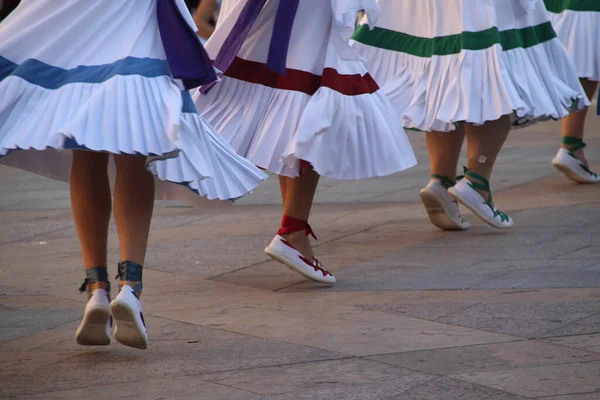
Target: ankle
[[572, 143], [95, 278], [297, 232], [130, 274], [474, 174], [479, 181], [445, 180], [294, 236], [92, 287], [291, 225]]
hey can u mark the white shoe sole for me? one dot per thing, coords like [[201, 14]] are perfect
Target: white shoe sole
[[292, 267], [438, 213], [485, 218], [571, 168], [129, 328], [572, 175], [92, 330], [290, 264]]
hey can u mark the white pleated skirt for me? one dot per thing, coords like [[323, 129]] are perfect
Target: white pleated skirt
[[92, 75], [443, 62], [578, 27], [326, 111]]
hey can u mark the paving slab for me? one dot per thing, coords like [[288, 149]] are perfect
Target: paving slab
[[58, 339], [487, 357], [382, 390], [585, 342], [27, 226], [15, 363], [590, 324], [578, 396], [435, 304], [528, 320], [18, 323], [542, 381], [177, 349], [451, 389], [309, 376], [462, 271], [322, 325], [181, 388]]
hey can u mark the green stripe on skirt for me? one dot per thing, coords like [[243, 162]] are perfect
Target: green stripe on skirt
[[558, 6], [454, 44]]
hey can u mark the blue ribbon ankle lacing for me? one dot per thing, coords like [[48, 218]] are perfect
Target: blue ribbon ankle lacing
[[93, 275], [130, 271]]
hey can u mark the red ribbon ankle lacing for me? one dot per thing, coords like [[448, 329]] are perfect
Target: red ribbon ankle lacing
[[291, 225]]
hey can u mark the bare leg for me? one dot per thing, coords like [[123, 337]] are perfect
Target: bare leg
[[573, 124], [283, 187], [444, 151], [298, 199], [134, 203], [91, 205], [484, 144]]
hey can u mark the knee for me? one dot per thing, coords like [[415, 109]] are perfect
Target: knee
[[131, 166], [90, 161]]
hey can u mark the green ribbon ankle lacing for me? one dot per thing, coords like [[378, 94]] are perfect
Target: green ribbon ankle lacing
[[484, 185], [574, 145]]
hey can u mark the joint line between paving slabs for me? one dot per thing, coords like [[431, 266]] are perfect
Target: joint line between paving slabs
[[567, 324], [345, 355], [441, 348], [224, 385], [456, 311], [492, 388], [546, 341], [573, 251]]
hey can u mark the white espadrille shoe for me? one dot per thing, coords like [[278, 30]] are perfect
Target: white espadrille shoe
[[441, 207], [283, 251], [567, 162], [130, 327], [96, 327], [465, 193]]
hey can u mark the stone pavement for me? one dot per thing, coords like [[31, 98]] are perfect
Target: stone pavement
[[417, 313]]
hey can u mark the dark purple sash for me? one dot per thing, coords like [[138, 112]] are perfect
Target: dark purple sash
[[282, 32], [280, 39], [186, 56]]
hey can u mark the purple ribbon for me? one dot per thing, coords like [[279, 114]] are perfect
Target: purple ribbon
[[280, 39], [186, 56], [282, 32]]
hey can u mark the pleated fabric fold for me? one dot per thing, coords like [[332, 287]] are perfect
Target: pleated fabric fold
[[327, 110], [579, 31], [51, 105], [496, 61]]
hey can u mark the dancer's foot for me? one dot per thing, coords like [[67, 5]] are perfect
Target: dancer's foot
[[301, 242], [441, 208], [291, 247], [96, 326], [571, 161], [470, 192], [130, 327]]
